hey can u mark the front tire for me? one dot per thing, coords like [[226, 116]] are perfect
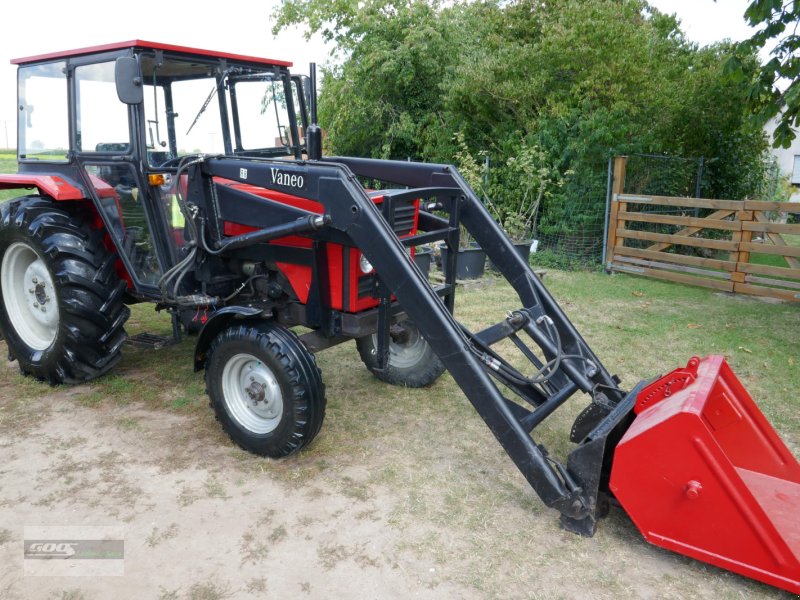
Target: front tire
[[61, 302], [412, 362], [265, 388]]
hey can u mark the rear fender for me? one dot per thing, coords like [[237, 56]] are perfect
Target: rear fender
[[57, 187], [61, 189], [219, 321]]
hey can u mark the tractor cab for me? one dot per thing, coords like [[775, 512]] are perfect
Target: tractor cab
[[135, 111], [182, 101]]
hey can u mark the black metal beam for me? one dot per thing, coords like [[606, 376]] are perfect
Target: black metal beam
[[332, 183]]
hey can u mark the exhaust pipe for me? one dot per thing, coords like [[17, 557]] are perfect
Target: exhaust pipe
[[313, 133]]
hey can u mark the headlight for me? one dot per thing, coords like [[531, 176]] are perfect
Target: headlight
[[365, 265]]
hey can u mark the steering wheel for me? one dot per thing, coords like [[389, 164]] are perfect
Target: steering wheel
[[171, 162]]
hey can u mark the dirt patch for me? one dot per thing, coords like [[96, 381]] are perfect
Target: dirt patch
[[404, 494], [196, 532], [245, 527]]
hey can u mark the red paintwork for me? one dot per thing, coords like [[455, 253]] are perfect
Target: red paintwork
[[52, 185], [703, 473], [97, 223], [149, 46], [295, 201], [299, 276], [231, 229], [104, 190]]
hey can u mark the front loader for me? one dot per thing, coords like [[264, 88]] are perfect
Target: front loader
[[258, 232]]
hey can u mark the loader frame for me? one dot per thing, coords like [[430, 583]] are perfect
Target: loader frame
[[353, 219]]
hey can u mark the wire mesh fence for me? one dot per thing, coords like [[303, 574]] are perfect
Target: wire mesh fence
[[569, 228], [563, 217], [575, 240], [654, 175], [571, 231], [659, 175]]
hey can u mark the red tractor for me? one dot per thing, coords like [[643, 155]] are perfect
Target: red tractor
[[195, 180]]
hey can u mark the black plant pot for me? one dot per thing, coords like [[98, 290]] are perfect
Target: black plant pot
[[523, 248], [423, 258], [470, 262]]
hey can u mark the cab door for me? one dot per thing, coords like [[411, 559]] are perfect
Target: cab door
[[104, 146]]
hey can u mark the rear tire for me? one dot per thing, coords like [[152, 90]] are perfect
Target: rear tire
[[61, 302], [412, 362], [265, 388]]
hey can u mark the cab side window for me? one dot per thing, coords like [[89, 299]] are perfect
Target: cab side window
[[43, 121], [102, 120]]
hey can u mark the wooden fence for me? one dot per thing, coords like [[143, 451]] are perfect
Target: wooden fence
[[740, 246]]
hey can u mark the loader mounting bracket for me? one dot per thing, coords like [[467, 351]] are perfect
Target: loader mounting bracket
[[591, 463]]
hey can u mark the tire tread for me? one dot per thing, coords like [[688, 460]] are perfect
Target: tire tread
[[299, 368], [91, 308]]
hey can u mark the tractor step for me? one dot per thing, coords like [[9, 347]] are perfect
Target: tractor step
[[703, 473], [152, 341]]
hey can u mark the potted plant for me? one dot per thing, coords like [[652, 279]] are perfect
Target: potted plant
[[423, 257], [518, 229], [470, 261]]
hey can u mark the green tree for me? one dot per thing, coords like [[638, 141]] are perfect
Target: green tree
[[548, 89], [775, 87], [384, 98]]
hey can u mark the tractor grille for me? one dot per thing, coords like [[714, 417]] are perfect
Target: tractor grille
[[403, 225], [403, 218], [366, 287]]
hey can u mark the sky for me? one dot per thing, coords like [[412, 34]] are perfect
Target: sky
[[707, 21], [244, 28]]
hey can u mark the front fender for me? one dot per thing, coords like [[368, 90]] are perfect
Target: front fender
[[219, 321]]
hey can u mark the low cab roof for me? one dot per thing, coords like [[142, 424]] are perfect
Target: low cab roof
[[149, 46]]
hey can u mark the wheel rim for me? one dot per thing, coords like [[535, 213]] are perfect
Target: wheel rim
[[29, 296], [252, 394], [407, 353]]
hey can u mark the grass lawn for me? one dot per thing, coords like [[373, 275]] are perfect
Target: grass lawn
[[638, 327], [451, 494], [8, 164], [775, 260]]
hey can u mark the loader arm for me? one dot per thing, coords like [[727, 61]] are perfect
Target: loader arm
[[563, 361], [688, 456]]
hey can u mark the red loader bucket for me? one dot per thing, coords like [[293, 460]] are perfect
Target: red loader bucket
[[701, 472]]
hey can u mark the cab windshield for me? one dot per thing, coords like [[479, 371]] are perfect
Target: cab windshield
[[198, 107]]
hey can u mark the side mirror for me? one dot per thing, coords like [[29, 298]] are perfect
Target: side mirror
[[129, 84]]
